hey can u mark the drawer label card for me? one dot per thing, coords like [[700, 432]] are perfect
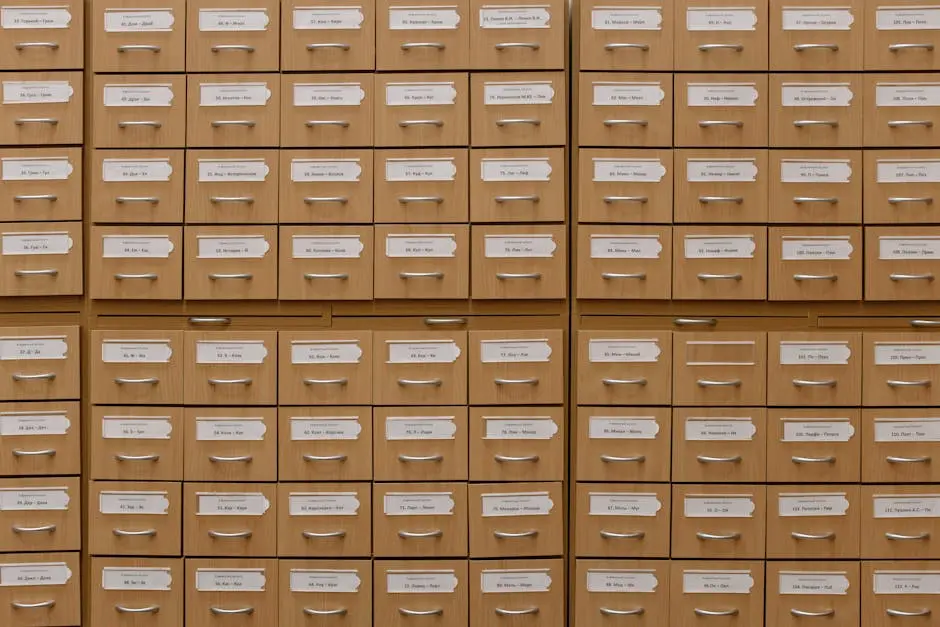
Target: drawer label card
[[38, 574], [907, 429], [802, 504], [233, 94], [325, 170], [136, 246], [325, 428], [722, 94], [333, 581], [422, 351], [326, 18], [517, 504], [420, 582], [907, 94], [727, 171], [624, 351], [420, 94], [420, 428], [720, 19], [136, 351], [27, 499], [719, 247], [323, 503], [231, 504], [906, 582], [326, 247], [815, 171], [626, 247], [225, 21], [399, 170], [904, 171], [510, 581], [41, 243], [635, 581], [423, 18], [803, 353], [34, 423], [628, 94], [34, 18], [148, 503], [519, 246], [131, 578], [328, 94], [136, 428], [17, 348], [419, 504], [519, 428], [813, 582], [515, 351], [518, 93], [908, 247], [230, 580], [623, 504], [816, 95], [424, 246], [230, 429], [524, 169], [136, 170], [717, 506], [231, 170], [238, 247], [817, 18], [913, 353], [719, 430], [325, 352], [622, 428], [627, 18], [518, 16], [907, 506], [247, 352], [717, 582], [138, 21], [143, 95], [628, 170], [821, 430], [907, 18], [37, 92], [36, 168]]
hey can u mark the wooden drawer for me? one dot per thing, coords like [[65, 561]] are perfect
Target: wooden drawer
[[516, 519], [623, 444], [230, 444], [420, 444], [324, 520], [40, 184], [613, 520], [325, 443], [41, 364], [135, 518], [40, 514], [714, 521], [41, 259], [813, 446], [40, 439], [517, 444], [719, 445], [136, 443], [42, 37], [43, 589], [812, 522]]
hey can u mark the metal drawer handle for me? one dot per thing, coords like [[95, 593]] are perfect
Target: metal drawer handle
[[528, 381], [216, 200], [512, 121], [897, 200], [325, 458], [807, 614], [524, 198], [509, 459], [134, 533], [695, 322], [150, 276], [638, 381], [238, 535], [221, 459], [639, 199], [409, 199], [710, 123], [405, 535], [829, 535], [311, 200], [22, 121], [221, 611], [906, 614], [503, 276], [614, 459], [316, 123], [433, 382], [799, 200], [121, 457], [815, 277], [607, 611], [210, 320], [147, 609], [705, 276], [803, 123], [342, 276], [238, 47], [899, 123], [340, 381], [328, 46], [340, 611], [45, 452], [626, 123], [25, 197], [923, 459], [39, 272], [39, 605], [738, 200], [123, 200], [406, 612], [421, 275], [245, 381], [925, 323], [701, 535], [243, 276], [912, 277], [900, 536], [618, 535], [509, 535], [828, 459], [36, 44], [221, 123], [407, 123], [139, 48], [802, 47], [518, 44], [420, 458], [436, 322], [422, 44], [922, 383], [708, 459], [139, 123], [735, 47], [42, 376], [640, 276], [709, 383], [700, 612], [39, 529], [616, 46], [897, 47], [810, 383], [526, 612], [125, 381], [320, 535]]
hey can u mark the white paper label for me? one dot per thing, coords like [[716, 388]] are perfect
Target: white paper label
[[816, 95], [515, 581], [517, 504], [135, 428], [147, 503], [524, 169], [442, 169], [728, 171], [328, 18], [42, 243], [514, 351], [628, 94], [907, 506], [325, 352], [143, 95], [808, 353], [627, 18], [231, 504], [817, 18], [422, 352], [237, 247], [813, 582], [719, 247], [420, 428], [907, 429], [719, 430], [519, 428], [419, 504], [136, 247], [912, 354], [327, 428], [232, 580], [518, 93], [233, 94], [27, 423], [138, 21], [328, 94], [232, 170], [822, 430], [420, 582], [797, 248], [906, 582], [907, 94], [323, 503], [34, 18], [37, 92], [331, 581], [37, 574], [140, 579], [907, 18], [325, 170], [625, 428], [717, 582], [632, 581], [420, 94], [624, 351], [720, 19], [815, 171], [17, 348], [35, 168], [137, 170], [240, 20], [326, 247], [136, 351], [39, 499], [230, 429], [902, 171], [515, 16], [623, 504], [908, 247], [732, 506], [628, 170], [626, 247], [519, 246], [247, 352], [722, 94], [423, 18], [424, 246], [796, 505]]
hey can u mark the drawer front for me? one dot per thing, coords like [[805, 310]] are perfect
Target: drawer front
[[899, 186], [325, 443], [139, 111], [895, 114], [422, 110], [41, 514], [517, 444], [815, 263], [325, 368], [420, 444], [494, 596], [225, 368], [422, 262], [517, 367], [137, 263], [46, 108], [135, 37], [828, 36], [421, 186], [882, 606], [135, 443], [231, 186], [327, 110], [814, 369], [139, 186], [518, 109], [623, 444], [137, 367], [624, 262], [627, 110], [230, 444], [518, 35], [402, 593], [714, 521], [809, 522], [813, 445], [626, 35], [40, 439], [719, 445], [726, 110], [519, 262], [719, 263], [44, 363], [901, 263], [516, 520], [325, 187], [41, 259], [423, 35], [625, 186], [896, 39], [335, 35], [255, 121], [720, 369], [691, 602], [517, 185], [205, 597], [892, 528], [613, 520], [898, 370], [624, 368], [800, 590], [158, 603], [64, 595], [420, 368], [249, 534], [48, 39], [135, 518], [816, 110], [815, 187], [324, 520], [214, 45], [610, 588], [897, 446], [721, 186], [325, 592], [40, 185], [439, 530], [325, 263], [721, 35], [230, 262]]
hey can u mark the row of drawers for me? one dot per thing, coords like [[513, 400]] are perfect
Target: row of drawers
[[716, 35], [738, 110]]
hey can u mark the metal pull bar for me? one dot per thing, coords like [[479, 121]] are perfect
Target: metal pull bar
[[640, 199], [36, 44], [607, 611], [407, 123], [922, 459], [210, 320], [421, 275], [619, 535], [710, 199], [704, 276], [139, 48], [907, 614], [637, 381], [924, 383], [815, 277], [695, 322], [327, 46], [342, 276], [432, 322], [711, 123], [735, 47], [339, 381], [220, 123], [802, 47], [147, 609], [216, 200], [134, 533], [420, 458], [408, 199], [126, 381], [340, 611], [39, 605], [433, 382], [245, 381], [642, 47], [503, 276], [221, 459], [508, 535], [804, 123], [708, 459], [244, 276], [900, 123], [896, 200], [45, 452], [928, 276], [325, 458], [238, 47], [526, 612], [898, 47], [640, 276], [700, 612], [42, 376], [900, 536], [138, 123], [122, 457], [808, 614], [523, 198], [528, 381], [614, 459], [422, 44], [509, 459], [22, 121], [319, 535], [710, 383], [221, 611], [40, 272], [39, 529], [828, 459], [25, 197], [626, 123], [150, 276], [925, 323], [406, 612], [518, 44], [796, 535], [405, 535], [512, 121], [809, 383], [315, 123], [799, 200], [701, 535], [230, 534], [123, 200]]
